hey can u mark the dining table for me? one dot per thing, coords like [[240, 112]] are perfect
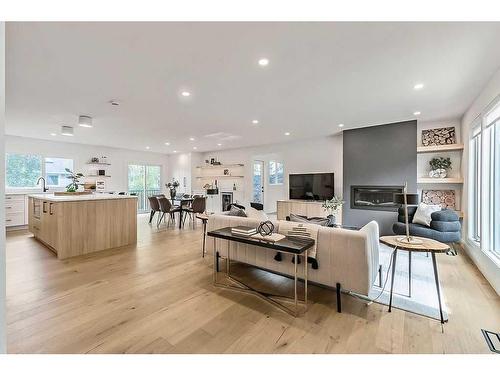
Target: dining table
[[182, 206]]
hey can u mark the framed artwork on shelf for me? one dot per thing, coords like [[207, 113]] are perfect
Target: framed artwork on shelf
[[100, 185], [439, 136], [445, 198]]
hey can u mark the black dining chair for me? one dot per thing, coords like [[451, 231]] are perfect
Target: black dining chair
[[198, 206], [167, 208], [155, 207]]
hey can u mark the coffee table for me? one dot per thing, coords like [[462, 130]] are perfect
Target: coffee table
[[292, 245], [427, 246]]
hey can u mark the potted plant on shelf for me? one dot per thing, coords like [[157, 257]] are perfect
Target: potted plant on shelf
[[172, 186], [332, 207], [75, 180], [439, 167]]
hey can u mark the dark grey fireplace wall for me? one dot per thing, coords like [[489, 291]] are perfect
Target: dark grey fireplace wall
[[378, 155]]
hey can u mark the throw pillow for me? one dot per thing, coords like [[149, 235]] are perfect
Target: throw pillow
[[235, 211], [424, 212], [256, 214], [323, 221]]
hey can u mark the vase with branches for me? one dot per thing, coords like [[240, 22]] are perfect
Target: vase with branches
[[332, 207], [172, 186]]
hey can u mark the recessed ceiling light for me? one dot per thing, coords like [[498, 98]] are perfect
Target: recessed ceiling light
[[416, 113], [175, 151], [191, 139], [185, 93], [255, 122], [287, 133], [85, 121], [147, 147], [67, 130], [341, 125], [263, 62], [194, 148], [418, 86], [219, 144], [53, 134], [167, 143]]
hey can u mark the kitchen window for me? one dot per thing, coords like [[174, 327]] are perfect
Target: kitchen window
[[275, 173], [484, 182], [23, 170]]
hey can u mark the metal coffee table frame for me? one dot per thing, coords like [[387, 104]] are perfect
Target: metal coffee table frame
[[268, 297]]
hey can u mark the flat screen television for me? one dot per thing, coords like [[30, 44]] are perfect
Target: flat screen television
[[311, 186]]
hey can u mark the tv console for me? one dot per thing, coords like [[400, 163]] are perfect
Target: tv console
[[303, 207]]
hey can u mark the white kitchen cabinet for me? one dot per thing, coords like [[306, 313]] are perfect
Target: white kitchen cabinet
[[16, 213]]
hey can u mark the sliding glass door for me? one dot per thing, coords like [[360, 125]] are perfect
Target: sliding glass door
[[144, 181]]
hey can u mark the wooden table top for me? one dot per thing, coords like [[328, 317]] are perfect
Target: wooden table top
[[427, 244], [202, 216]]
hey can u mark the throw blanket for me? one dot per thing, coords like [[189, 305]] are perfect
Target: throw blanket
[[291, 228]]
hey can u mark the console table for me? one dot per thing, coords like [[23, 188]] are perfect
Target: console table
[[291, 245]]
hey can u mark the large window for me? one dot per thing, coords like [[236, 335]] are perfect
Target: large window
[[144, 181], [55, 171], [23, 170], [275, 173], [484, 182]]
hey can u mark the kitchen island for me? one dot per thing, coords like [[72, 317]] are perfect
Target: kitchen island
[[72, 225]]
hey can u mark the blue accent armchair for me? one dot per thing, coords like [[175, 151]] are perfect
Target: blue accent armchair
[[445, 225]]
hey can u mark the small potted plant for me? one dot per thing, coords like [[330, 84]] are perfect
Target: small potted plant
[[332, 207], [439, 167], [172, 186], [75, 180]]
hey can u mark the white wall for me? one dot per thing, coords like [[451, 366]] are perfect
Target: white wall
[[491, 91], [306, 156], [3, 346], [81, 154]]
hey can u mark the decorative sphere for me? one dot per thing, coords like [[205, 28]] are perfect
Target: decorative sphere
[[266, 228]]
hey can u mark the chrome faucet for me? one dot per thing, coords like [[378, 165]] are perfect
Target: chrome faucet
[[44, 188]]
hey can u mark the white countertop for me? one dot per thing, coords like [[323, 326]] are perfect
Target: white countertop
[[77, 198]]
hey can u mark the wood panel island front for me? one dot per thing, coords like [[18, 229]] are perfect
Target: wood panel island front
[[82, 224]]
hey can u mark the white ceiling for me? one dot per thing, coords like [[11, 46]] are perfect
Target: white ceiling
[[320, 75]]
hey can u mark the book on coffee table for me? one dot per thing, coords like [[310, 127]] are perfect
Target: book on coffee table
[[243, 231], [271, 238]]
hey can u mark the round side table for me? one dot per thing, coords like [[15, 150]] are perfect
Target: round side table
[[427, 246]]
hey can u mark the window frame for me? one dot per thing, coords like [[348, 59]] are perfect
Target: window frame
[[482, 174], [43, 160], [272, 179]]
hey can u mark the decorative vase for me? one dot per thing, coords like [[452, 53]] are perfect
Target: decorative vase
[[332, 218], [173, 193], [438, 173]]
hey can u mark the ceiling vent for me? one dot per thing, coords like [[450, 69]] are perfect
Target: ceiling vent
[[85, 121], [67, 130]]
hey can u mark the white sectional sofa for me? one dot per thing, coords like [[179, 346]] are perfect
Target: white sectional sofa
[[347, 259]]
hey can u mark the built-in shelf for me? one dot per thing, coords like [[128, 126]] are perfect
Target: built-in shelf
[[448, 180], [219, 176], [210, 166], [96, 175], [90, 163], [441, 148]]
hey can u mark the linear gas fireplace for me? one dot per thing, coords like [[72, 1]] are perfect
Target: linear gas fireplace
[[379, 198]]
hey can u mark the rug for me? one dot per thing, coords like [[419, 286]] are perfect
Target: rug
[[424, 299]]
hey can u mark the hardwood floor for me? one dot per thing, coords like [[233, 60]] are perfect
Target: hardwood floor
[[158, 297]]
